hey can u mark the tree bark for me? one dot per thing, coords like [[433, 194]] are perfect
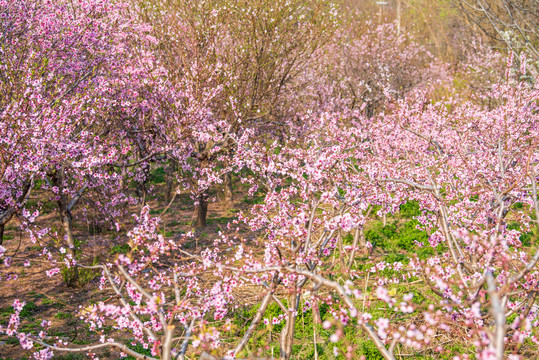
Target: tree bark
[[201, 210], [227, 190], [1, 234], [287, 337], [66, 218], [317, 319], [167, 343], [67, 225], [254, 323], [287, 334]]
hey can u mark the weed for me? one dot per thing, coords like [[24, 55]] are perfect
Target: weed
[[29, 309], [138, 348], [220, 220], [83, 276], [120, 249], [63, 315], [158, 176]]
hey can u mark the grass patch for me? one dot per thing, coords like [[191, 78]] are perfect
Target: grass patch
[[120, 249], [158, 176], [138, 348], [63, 315], [220, 220]]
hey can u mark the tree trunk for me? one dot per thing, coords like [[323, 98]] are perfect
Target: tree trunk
[[317, 319], [1, 234], [72, 274], [167, 343], [201, 210], [227, 190], [72, 277], [141, 193], [258, 316], [287, 334]]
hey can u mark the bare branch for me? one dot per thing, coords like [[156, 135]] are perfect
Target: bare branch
[[87, 348], [258, 316]]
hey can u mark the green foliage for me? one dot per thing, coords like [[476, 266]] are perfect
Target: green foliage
[[525, 237], [27, 312], [51, 302], [69, 275], [410, 209], [36, 295], [120, 249], [79, 276], [348, 239], [33, 248], [252, 200], [138, 348], [409, 233], [369, 350], [158, 176], [158, 211], [395, 257], [63, 315], [29, 309], [220, 220], [6, 311], [95, 228], [518, 206], [396, 237]]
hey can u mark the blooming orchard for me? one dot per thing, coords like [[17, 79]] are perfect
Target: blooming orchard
[[96, 93]]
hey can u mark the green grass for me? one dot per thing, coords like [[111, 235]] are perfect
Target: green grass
[[401, 235], [63, 315], [36, 295], [120, 249], [220, 220], [253, 200], [138, 348], [159, 211], [27, 311], [176, 223], [157, 175]]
